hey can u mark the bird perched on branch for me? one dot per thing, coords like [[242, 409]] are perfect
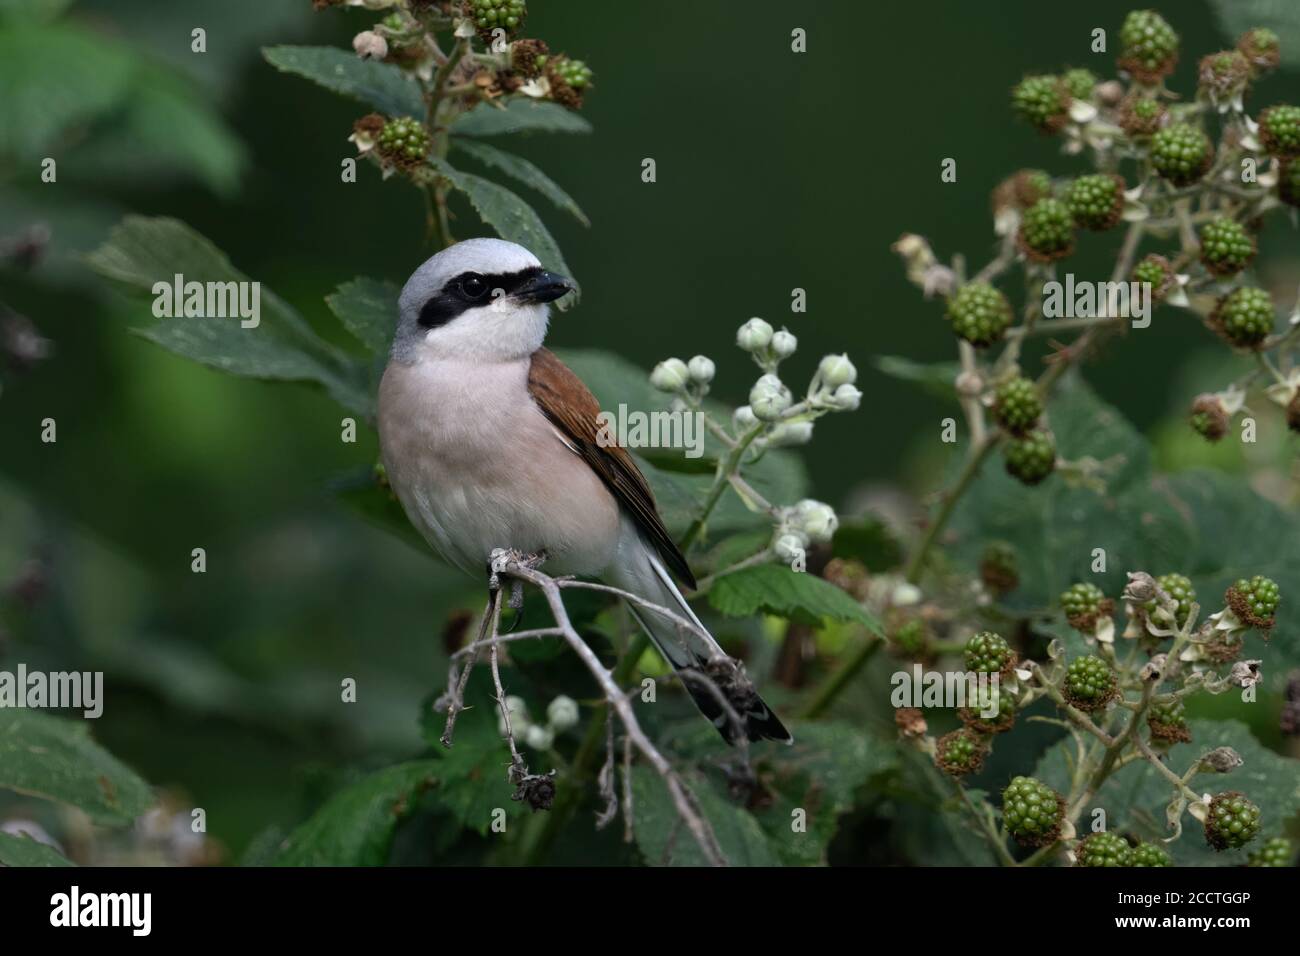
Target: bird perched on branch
[[491, 442]]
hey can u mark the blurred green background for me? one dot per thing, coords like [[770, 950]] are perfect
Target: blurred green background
[[775, 171]]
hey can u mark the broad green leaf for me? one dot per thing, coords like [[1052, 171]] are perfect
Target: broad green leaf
[[22, 850], [141, 252], [518, 168], [355, 827], [664, 840], [775, 589], [55, 758], [368, 309], [518, 115], [382, 85], [936, 378], [1280, 16], [511, 217]]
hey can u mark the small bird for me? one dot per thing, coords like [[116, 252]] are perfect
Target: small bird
[[490, 442]]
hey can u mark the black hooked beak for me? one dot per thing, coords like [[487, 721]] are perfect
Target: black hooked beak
[[544, 287]]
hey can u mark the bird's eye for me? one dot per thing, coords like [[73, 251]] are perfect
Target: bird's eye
[[474, 287]]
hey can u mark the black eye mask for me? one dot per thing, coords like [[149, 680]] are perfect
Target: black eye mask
[[470, 290]]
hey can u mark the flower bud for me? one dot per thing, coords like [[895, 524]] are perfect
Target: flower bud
[[1221, 760], [784, 344], [744, 418], [816, 519], [769, 398], [518, 711], [670, 375], [789, 434], [789, 548], [539, 737], [847, 398], [702, 369], [370, 45], [754, 335], [562, 713], [837, 370]]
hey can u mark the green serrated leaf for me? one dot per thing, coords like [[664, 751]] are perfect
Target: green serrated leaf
[[356, 826], [518, 115], [382, 85], [776, 589], [55, 758], [664, 839], [936, 378], [368, 309], [22, 850], [520, 169], [511, 217]]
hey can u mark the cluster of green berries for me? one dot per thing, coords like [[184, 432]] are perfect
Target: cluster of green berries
[[1179, 587], [1017, 405], [911, 639], [1150, 855], [1181, 153], [1096, 202], [1031, 457], [1149, 46], [1224, 74], [1044, 101], [1278, 851], [989, 653], [568, 79], [1084, 603], [1279, 130], [1080, 83], [1032, 811], [1141, 116], [575, 73], [1047, 231], [1090, 683], [404, 141], [1261, 48], [1226, 246], [1254, 601], [1168, 722], [1000, 567], [489, 15], [1244, 317], [1103, 849], [1209, 418], [979, 313], [1156, 271], [960, 753], [1233, 821], [1002, 721]]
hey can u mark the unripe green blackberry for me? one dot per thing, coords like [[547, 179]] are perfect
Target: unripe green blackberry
[[1150, 854], [1032, 811], [1233, 821], [1031, 457], [1278, 851], [979, 313], [1209, 418], [403, 142], [1083, 604], [1168, 722], [911, 640], [569, 79], [1090, 683], [1016, 405], [1046, 231], [1103, 849], [1288, 182], [1148, 46], [1044, 101], [1279, 130], [1157, 272], [1226, 247], [1004, 720], [1254, 601], [1224, 74], [1141, 116], [959, 753], [1179, 587], [1022, 189], [1080, 83], [1097, 201], [1245, 317], [1261, 48], [999, 568], [488, 15], [989, 653], [1181, 153]]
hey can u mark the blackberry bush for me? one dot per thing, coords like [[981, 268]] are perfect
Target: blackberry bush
[[1233, 821], [1226, 247], [1043, 101], [1149, 46], [1032, 811], [1278, 851], [1181, 153], [1096, 202], [1090, 683], [1047, 231], [1083, 604], [1016, 405], [1150, 855], [1103, 849], [1030, 457], [1168, 722], [1254, 601], [989, 653], [960, 753], [979, 314], [1279, 130]]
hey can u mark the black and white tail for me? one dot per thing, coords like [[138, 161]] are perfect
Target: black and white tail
[[638, 569]]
